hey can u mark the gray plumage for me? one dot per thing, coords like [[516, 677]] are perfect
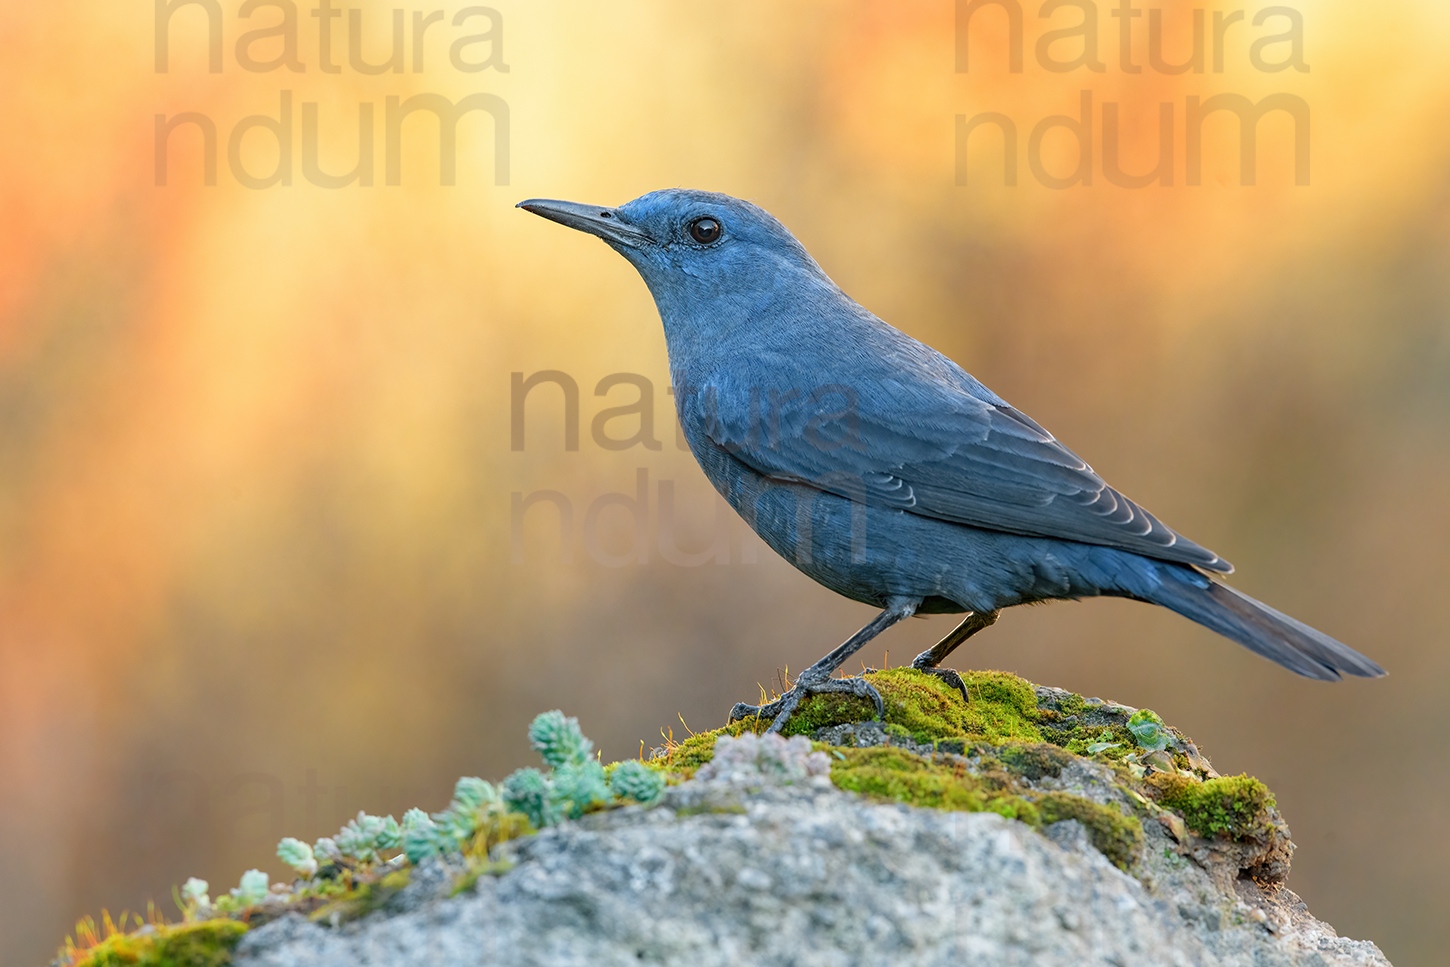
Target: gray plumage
[[880, 467]]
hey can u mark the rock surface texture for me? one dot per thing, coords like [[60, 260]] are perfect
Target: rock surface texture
[[760, 859]]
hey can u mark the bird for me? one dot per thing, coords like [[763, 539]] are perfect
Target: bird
[[881, 468]]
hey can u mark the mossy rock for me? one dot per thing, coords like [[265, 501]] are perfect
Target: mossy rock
[[1035, 760], [885, 772], [1003, 708], [689, 755], [1011, 736], [1006, 751], [1116, 836], [1232, 807], [919, 707], [363, 899], [208, 943]]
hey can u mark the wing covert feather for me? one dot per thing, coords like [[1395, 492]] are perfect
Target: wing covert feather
[[945, 454]]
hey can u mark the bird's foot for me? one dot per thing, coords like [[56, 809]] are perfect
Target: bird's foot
[[779, 711], [946, 675]]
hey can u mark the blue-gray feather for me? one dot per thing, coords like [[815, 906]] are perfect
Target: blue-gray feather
[[880, 467]]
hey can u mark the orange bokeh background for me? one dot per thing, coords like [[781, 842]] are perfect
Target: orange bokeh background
[[257, 563]]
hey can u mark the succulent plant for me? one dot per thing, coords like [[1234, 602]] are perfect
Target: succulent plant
[[325, 850], [474, 793], [575, 783], [453, 828], [297, 855], [364, 837], [252, 889], [421, 837], [527, 791], [480, 816], [194, 894], [573, 789], [559, 740], [633, 779]]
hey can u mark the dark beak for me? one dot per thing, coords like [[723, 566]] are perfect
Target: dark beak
[[594, 219]]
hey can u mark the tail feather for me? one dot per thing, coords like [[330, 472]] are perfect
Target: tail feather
[[1264, 631]]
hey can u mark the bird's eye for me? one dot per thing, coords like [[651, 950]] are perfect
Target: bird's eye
[[704, 230]]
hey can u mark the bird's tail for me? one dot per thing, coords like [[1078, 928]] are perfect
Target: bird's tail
[[1262, 630]]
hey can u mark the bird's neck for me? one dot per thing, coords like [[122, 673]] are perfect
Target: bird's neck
[[714, 327]]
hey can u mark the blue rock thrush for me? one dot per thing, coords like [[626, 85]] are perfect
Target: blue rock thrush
[[884, 470]]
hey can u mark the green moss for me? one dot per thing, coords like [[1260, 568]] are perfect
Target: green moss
[[1034, 760], [920, 707], [1078, 740], [923, 707], [1013, 741], [896, 774], [1116, 836], [713, 809], [494, 829], [1236, 807], [889, 773], [208, 943], [1003, 707], [825, 710], [362, 900], [475, 869], [1006, 705], [1072, 704], [699, 748]]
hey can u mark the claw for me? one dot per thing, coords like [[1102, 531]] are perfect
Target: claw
[[780, 710], [948, 676], [744, 710]]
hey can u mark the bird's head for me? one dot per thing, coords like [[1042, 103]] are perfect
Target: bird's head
[[693, 248]]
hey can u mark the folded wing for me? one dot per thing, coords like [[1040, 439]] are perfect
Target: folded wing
[[942, 452]]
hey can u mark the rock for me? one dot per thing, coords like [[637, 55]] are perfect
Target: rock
[[1028, 825], [778, 866]]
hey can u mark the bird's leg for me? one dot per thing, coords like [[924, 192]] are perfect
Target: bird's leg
[[928, 660], [817, 678]]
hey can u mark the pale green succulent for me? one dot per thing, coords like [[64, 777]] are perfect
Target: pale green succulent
[[633, 779], [573, 788], [454, 827], [527, 791], [325, 850], [194, 894], [559, 740], [252, 889], [421, 838], [576, 781], [298, 855], [574, 784], [474, 801], [474, 793], [364, 837]]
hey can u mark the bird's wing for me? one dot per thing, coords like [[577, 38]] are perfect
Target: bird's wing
[[941, 452]]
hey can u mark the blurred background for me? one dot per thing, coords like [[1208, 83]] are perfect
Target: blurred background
[[268, 556]]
